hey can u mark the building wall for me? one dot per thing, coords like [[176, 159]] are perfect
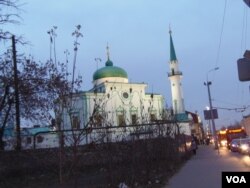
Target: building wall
[[108, 79], [246, 124], [185, 128], [177, 94], [112, 100]]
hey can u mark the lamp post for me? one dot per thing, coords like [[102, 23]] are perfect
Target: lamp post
[[208, 83], [208, 123]]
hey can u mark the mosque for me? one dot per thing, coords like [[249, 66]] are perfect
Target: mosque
[[114, 101]]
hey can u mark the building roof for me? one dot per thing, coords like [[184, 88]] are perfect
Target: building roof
[[172, 50], [10, 132], [34, 130], [194, 116], [109, 70]]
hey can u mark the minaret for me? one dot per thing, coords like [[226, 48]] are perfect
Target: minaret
[[175, 79]]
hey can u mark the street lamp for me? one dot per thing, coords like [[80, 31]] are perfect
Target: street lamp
[[209, 123], [208, 83], [214, 69]]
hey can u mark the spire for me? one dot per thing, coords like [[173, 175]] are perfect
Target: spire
[[172, 51], [107, 51], [108, 62]]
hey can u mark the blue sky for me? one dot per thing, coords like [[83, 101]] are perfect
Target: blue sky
[[137, 33]]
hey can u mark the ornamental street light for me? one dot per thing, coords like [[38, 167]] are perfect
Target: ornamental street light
[[208, 83]]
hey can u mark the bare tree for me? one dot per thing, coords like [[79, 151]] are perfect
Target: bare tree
[[9, 14], [39, 86]]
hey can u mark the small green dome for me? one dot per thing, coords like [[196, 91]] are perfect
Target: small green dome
[[109, 63], [109, 71]]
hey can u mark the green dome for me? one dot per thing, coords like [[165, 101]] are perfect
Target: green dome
[[109, 71]]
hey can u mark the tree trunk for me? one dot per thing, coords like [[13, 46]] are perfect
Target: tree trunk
[[4, 125]]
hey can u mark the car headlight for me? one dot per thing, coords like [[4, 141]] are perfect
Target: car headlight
[[223, 142], [244, 147]]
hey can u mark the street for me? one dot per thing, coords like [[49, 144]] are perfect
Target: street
[[204, 169]]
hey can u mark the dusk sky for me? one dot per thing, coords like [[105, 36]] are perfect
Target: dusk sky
[[137, 32]]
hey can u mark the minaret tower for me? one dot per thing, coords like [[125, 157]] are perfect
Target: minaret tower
[[175, 79]]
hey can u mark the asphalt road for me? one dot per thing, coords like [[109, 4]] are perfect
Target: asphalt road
[[204, 170]]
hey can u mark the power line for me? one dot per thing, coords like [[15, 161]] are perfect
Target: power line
[[241, 109], [244, 30], [222, 27]]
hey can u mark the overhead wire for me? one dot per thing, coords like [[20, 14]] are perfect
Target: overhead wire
[[242, 109], [220, 38], [244, 31], [221, 33], [236, 108]]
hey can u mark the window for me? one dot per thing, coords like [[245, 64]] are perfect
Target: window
[[125, 95], [175, 106], [172, 70], [28, 140], [75, 122], [97, 120], [152, 117], [121, 120], [134, 119], [121, 115], [39, 139]]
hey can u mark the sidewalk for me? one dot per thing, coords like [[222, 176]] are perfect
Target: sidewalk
[[204, 169]]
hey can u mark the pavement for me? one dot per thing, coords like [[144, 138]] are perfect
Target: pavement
[[204, 170]]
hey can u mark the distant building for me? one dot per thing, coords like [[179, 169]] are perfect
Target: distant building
[[246, 124], [196, 125], [45, 140]]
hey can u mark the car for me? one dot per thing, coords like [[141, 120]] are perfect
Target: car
[[240, 145], [244, 146], [234, 145]]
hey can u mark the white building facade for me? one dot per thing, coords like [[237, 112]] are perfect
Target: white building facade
[[113, 101]]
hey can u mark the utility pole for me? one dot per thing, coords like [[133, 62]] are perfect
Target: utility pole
[[212, 114], [18, 132], [208, 83]]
